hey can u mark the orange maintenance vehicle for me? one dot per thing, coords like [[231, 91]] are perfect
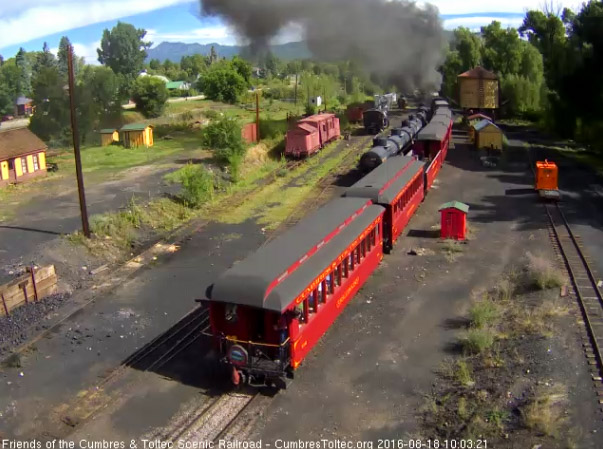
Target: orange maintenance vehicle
[[547, 176]]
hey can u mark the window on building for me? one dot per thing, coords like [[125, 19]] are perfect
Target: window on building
[[24, 165], [11, 164], [35, 162]]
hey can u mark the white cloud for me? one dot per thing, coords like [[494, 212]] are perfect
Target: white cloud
[[86, 51], [219, 34], [475, 23], [488, 6], [44, 17]]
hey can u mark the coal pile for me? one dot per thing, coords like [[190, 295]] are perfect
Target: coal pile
[[26, 321]]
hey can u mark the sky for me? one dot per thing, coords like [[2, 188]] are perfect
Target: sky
[[30, 23]]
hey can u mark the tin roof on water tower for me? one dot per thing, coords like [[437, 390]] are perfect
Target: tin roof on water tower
[[479, 72]]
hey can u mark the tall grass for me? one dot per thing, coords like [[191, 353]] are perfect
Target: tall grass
[[543, 273]]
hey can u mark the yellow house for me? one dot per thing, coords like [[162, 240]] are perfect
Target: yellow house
[[108, 136], [478, 89], [136, 135], [488, 135], [22, 156]]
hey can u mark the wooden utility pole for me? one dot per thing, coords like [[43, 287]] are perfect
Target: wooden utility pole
[[76, 145], [296, 89], [257, 114]]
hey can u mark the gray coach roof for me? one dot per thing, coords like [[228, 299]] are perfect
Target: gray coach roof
[[384, 183], [247, 282], [433, 131]]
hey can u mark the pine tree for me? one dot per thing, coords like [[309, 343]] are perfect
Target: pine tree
[[62, 54]]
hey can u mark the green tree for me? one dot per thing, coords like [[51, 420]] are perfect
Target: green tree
[[213, 56], [243, 68], [123, 49], [6, 101], [63, 55], [44, 59], [502, 49], [24, 80], [194, 65], [222, 83], [51, 120], [155, 64], [469, 46], [150, 95]]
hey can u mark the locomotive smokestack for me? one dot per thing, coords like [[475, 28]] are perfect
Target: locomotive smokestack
[[395, 40]]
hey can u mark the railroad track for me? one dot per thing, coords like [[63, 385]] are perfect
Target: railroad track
[[220, 418], [152, 356], [584, 286]]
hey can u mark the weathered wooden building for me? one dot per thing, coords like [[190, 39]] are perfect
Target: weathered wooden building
[[478, 90], [136, 135], [108, 136], [22, 156], [488, 135]]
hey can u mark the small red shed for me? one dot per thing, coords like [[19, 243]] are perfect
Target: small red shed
[[454, 220]]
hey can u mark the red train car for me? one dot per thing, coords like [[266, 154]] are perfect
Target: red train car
[[355, 114], [312, 134], [269, 310], [432, 144], [397, 185]]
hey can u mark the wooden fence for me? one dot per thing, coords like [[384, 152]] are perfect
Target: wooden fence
[[34, 285]]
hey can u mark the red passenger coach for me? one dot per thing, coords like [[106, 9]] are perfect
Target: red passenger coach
[[397, 185], [269, 310], [311, 134]]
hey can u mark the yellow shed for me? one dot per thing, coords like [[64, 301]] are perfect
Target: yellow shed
[[108, 136], [488, 135], [22, 156], [136, 135], [478, 89]]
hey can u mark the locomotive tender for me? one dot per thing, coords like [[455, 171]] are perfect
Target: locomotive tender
[[268, 311]]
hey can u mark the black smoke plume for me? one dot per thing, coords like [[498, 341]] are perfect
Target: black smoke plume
[[394, 40]]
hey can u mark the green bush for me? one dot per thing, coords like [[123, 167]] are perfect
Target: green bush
[[270, 129], [223, 84], [197, 185], [483, 313], [477, 341], [150, 96], [224, 138]]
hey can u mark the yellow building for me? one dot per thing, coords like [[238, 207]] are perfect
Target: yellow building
[[108, 136], [478, 89], [22, 156], [136, 135], [488, 135]]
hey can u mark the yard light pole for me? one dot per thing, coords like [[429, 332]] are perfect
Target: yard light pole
[[76, 145]]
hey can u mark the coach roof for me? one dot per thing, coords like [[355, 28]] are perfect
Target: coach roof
[[385, 182], [272, 277]]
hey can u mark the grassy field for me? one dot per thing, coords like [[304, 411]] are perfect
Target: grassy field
[[116, 157]]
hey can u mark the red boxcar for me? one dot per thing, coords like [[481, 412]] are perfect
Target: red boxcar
[[269, 310], [398, 185], [312, 134], [355, 114]]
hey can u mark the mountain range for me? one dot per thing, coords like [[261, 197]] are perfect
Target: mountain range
[[174, 51]]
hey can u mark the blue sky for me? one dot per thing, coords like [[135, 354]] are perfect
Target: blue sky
[[29, 25]]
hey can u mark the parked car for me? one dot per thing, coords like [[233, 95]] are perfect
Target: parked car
[[7, 117]]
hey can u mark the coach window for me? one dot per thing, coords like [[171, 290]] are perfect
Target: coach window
[[352, 260], [358, 254], [314, 299], [363, 248], [339, 276], [331, 279]]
